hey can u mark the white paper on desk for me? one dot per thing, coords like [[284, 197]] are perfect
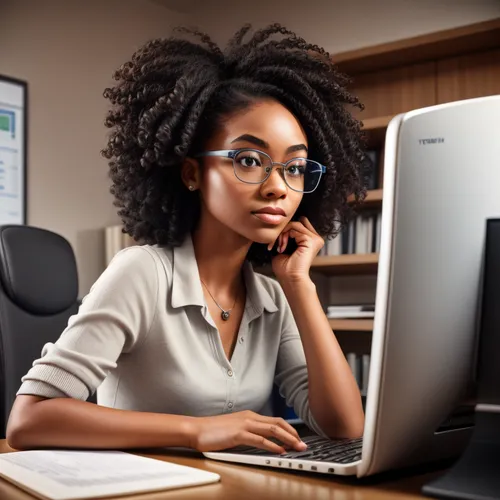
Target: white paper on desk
[[75, 474]]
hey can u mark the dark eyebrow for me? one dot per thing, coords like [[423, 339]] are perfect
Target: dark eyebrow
[[252, 139], [297, 147], [264, 144]]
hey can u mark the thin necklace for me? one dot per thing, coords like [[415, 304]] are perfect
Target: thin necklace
[[225, 313]]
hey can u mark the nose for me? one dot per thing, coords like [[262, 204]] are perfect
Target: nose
[[274, 186]]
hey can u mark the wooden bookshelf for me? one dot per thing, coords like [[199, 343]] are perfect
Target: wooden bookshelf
[[373, 198], [377, 123], [375, 129], [478, 37], [352, 264], [397, 77], [351, 325], [338, 265]]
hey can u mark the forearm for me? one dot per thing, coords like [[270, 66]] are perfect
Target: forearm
[[70, 423], [334, 396]]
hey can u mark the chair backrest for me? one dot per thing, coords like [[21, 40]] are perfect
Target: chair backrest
[[38, 294]]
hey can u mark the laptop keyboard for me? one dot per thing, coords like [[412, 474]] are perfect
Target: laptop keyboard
[[320, 449]]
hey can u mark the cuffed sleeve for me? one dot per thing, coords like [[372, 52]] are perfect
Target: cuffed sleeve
[[114, 318], [291, 371]]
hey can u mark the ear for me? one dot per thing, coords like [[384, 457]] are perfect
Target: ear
[[190, 174]]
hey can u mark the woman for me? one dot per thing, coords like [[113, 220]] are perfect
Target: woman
[[219, 160]]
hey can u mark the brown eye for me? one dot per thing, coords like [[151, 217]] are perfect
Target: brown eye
[[249, 161], [296, 168]]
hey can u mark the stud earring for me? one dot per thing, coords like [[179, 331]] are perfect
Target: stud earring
[[191, 188]]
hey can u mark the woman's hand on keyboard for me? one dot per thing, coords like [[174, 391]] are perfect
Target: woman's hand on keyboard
[[244, 428]]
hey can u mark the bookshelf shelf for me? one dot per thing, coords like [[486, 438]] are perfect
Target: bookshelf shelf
[[331, 265], [377, 123], [346, 264], [373, 198], [429, 47], [351, 325]]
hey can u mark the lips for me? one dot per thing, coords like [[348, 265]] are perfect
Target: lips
[[271, 210], [270, 215]]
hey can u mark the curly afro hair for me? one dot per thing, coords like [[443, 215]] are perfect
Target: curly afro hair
[[171, 97]]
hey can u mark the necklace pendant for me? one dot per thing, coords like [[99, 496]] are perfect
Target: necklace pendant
[[224, 315]]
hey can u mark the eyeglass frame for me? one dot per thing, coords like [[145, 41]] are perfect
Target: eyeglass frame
[[232, 153]]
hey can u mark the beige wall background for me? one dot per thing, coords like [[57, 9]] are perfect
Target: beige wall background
[[67, 51], [338, 25]]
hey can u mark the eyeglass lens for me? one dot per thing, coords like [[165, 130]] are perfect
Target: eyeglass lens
[[300, 174]]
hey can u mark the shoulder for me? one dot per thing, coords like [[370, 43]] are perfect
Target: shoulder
[[138, 265], [273, 288], [142, 257], [274, 300], [137, 259], [269, 284]]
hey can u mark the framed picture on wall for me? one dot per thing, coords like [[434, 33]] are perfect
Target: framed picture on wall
[[13, 150]]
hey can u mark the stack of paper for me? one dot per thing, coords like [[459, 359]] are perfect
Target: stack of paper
[[71, 475], [354, 311]]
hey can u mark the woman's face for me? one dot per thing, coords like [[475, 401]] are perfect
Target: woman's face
[[258, 212]]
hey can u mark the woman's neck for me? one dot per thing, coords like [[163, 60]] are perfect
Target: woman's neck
[[220, 255]]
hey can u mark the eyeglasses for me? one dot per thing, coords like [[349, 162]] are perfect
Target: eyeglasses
[[254, 167]]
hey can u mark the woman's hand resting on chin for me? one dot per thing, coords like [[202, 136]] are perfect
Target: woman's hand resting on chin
[[295, 267], [244, 428]]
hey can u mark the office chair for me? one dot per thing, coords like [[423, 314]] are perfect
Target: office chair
[[38, 294]]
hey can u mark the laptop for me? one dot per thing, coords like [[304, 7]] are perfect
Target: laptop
[[441, 182]]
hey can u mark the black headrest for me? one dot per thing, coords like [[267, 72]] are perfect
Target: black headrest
[[37, 269]]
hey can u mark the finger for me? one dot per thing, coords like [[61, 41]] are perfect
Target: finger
[[298, 226], [249, 439], [300, 237], [285, 425], [284, 242], [275, 431], [280, 422], [271, 245]]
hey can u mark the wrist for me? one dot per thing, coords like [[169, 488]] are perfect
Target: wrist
[[294, 284], [189, 431]]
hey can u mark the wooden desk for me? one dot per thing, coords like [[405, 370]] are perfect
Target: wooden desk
[[242, 482]]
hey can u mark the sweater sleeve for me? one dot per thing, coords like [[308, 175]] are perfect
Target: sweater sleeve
[[291, 370], [114, 318]]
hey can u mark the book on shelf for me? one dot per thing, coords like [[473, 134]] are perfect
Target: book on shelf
[[365, 372], [361, 235], [360, 368], [371, 166], [380, 173], [352, 307], [351, 311], [350, 315]]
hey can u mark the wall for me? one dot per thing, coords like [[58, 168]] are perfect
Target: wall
[[341, 25], [67, 51]]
